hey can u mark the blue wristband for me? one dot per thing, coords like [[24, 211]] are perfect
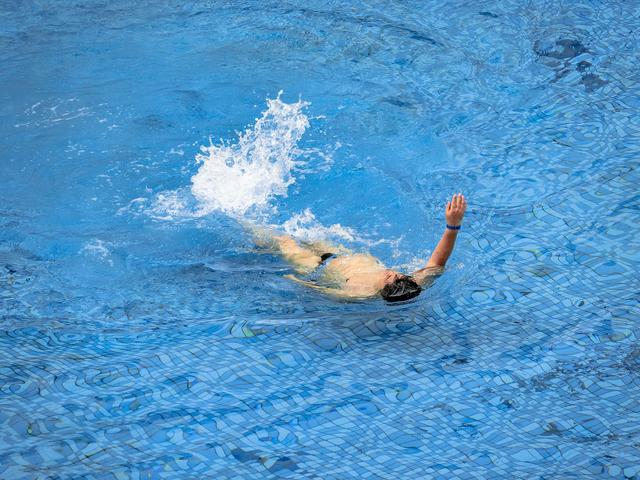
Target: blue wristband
[[452, 227]]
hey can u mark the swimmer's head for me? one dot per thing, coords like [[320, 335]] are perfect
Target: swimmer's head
[[398, 287]]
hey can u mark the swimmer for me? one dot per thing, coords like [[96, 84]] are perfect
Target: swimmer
[[343, 274]]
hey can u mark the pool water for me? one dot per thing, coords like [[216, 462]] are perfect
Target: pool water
[[144, 335]]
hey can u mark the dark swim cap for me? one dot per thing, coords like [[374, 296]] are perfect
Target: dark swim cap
[[403, 288]]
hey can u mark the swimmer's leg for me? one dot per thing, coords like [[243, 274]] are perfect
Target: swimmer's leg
[[262, 236], [322, 247], [302, 258]]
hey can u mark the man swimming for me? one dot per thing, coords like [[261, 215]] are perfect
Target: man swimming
[[361, 275]]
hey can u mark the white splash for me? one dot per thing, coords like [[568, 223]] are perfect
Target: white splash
[[234, 178], [241, 178], [305, 226], [171, 205], [98, 249], [168, 206]]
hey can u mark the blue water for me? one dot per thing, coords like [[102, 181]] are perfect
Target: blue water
[[142, 333]]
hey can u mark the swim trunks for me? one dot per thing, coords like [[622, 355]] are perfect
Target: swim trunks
[[325, 256], [317, 275]]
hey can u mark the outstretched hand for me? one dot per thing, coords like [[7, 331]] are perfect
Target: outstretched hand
[[455, 210]]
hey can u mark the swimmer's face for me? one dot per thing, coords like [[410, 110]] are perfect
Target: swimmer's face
[[390, 276]]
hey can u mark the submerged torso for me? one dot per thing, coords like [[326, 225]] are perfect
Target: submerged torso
[[356, 275]]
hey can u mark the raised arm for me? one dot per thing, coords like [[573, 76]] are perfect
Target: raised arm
[[454, 212]]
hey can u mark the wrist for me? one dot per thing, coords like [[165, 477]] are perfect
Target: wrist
[[453, 226]]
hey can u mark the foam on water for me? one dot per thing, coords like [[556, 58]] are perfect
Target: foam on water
[[242, 179], [236, 178], [99, 249], [305, 226]]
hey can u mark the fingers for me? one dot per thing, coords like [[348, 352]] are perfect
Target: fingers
[[457, 202]]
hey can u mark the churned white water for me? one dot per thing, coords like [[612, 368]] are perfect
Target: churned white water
[[240, 179], [306, 226], [235, 178]]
